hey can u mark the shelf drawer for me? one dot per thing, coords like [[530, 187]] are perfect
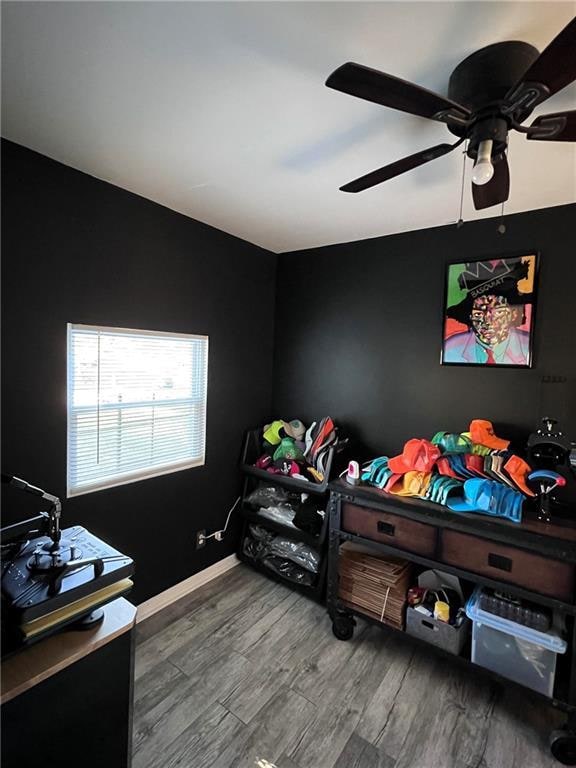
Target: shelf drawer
[[390, 529], [503, 563]]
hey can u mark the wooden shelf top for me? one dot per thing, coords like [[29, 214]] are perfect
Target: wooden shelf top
[[32, 665]]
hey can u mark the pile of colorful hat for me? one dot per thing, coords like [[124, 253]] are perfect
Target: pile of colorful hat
[[289, 448], [469, 472]]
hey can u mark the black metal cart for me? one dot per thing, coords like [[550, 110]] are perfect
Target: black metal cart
[[388, 516]]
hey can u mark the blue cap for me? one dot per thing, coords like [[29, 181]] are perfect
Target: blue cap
[[369, 472], [440, 487], [458, 464], [488, 497], [377, 473]]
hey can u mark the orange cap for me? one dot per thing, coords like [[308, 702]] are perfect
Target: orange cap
[[412, 484], [482, 432], [518, 470], [418, 455], [393, 479]]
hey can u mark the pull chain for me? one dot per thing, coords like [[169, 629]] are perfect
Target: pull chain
[[460, 221], [502, 226]]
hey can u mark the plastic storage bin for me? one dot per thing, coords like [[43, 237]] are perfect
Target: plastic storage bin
[[436, 632], [517, 652]]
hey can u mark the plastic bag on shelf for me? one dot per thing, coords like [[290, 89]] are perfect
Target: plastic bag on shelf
[[285, 557], [267, 496], [280, 514], [289, 570], [297, 552], [261, 534], [253, 548]]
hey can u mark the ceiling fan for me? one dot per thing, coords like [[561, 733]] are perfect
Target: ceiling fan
[[489, 93]]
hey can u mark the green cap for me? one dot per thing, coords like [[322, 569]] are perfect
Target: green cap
[[288, 450]]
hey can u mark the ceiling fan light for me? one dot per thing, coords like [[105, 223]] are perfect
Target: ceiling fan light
[[483, 169], [482, 173]]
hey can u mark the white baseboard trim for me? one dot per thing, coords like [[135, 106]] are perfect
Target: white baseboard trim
[[169, 596]]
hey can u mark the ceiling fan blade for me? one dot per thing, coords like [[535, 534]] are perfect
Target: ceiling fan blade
[[553, 70], [400, 166], [558, 126], [390, 91], [497, 189]]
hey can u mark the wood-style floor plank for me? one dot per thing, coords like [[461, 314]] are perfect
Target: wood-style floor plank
[[238, 589], [344, 703], [246, 701], [264, 607], [416, 696], [202, 743], [187, 604], [158, 728], [159, 647], [154, 686], [519, 731], [246, 670], [322, 667], [285, 762], [450, 724], [301, 623], [258, 628], [359, 753], [375, 716], [277, 730], [279, 650]]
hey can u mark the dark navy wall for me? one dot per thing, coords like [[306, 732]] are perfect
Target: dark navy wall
[[76, 249], [359, 332]]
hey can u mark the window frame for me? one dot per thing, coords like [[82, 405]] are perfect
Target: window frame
[[142, 474]]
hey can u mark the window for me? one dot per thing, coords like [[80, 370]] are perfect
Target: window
[[136, 405]]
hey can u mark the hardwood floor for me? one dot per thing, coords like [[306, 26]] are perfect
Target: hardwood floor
[[245, 672]]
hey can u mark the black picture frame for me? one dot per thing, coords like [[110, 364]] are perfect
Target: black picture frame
[[510, 277]]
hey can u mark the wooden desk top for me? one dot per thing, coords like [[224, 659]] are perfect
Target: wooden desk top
[[45, 658]]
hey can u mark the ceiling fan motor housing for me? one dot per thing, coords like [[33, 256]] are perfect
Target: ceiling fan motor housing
[[494, 128], [481, 82]]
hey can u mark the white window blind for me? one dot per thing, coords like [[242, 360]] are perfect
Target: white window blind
[[136, 405]]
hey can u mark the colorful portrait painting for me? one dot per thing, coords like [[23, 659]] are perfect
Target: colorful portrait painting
[[489, 312]]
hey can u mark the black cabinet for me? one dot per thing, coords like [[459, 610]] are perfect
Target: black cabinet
[[68, 699]]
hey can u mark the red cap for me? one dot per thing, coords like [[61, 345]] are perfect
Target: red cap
[[475, 464], [418, 455]]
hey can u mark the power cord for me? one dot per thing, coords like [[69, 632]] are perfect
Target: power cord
[[219, 535]]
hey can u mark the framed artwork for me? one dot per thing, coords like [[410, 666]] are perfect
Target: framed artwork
[[488, 312]]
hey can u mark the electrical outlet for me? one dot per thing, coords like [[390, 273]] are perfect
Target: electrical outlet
[[200, 539]]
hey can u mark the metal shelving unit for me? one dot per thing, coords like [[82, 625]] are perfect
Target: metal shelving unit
[[254, 477]]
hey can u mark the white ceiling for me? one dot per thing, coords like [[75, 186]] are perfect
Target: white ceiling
[[219, 110]]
